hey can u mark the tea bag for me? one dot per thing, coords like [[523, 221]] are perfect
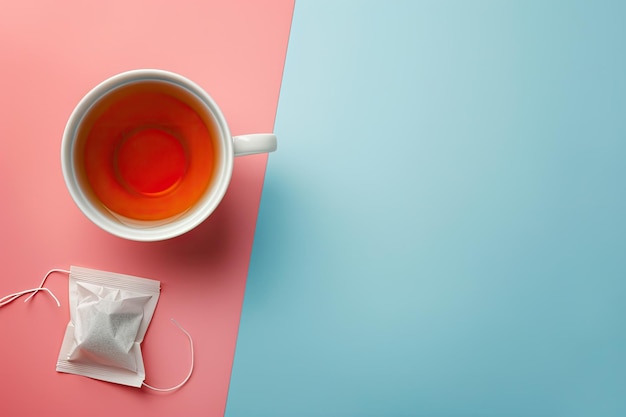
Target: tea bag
[[109, 317]]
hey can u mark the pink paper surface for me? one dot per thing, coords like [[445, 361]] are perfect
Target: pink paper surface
[[52, 53]]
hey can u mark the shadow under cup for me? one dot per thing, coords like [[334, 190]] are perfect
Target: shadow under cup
[[144, 159]]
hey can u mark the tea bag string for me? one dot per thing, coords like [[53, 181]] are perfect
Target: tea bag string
[[12, 297], [190, 368]]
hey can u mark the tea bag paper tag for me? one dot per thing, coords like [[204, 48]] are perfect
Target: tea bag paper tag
[[109, 316]]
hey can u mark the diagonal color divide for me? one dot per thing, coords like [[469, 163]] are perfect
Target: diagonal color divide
[[442, 232]]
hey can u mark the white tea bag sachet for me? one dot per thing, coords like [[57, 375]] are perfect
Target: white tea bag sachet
[[109, 316]]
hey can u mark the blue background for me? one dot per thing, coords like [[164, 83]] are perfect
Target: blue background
[[442, 231]]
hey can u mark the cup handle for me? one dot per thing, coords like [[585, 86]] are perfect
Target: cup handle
[[255, 143]]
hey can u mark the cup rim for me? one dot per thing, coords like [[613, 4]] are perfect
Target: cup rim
[[138, 230]]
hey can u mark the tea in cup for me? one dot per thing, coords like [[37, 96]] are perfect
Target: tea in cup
[[147, 154]]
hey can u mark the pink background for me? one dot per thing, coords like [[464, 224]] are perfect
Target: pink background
[[52, 53]]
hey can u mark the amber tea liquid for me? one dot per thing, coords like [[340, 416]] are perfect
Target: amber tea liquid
[[146, 150]]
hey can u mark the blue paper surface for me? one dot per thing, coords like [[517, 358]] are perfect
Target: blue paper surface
[[442, 230]]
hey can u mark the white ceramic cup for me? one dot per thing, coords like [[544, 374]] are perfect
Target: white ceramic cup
[[226, 147]]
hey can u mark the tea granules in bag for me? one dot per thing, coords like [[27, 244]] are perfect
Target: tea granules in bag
[[109, 316]]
